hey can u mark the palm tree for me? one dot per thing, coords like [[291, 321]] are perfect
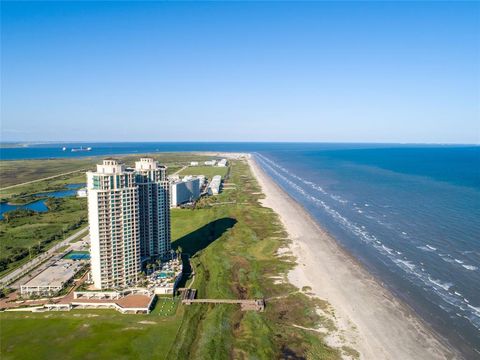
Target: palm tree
[[179, 251]]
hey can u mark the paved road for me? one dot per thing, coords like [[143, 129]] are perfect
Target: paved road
[[27, 267], [37, 180]]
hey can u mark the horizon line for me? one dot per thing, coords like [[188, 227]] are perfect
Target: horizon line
[[39, 142]]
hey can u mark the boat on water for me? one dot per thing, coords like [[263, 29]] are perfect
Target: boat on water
[[64, 148], [81, 148]]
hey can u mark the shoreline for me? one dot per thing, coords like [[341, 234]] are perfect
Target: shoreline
[[368, 316]]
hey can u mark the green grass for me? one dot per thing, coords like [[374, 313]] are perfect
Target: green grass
[[100, 334], [233, 252], [165, 307], [208, 171], [19, 171]]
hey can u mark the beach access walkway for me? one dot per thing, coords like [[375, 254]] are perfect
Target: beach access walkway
[[188, 298]]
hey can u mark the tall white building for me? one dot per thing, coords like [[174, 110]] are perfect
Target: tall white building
[[154, 208], [129, 218], [114, 226]]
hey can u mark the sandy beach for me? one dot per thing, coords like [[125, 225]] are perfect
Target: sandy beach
[[368, 317]]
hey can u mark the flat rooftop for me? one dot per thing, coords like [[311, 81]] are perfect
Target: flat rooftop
[[56, 275], [129, 301]]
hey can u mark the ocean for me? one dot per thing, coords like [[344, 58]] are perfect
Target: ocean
[[409, 213]]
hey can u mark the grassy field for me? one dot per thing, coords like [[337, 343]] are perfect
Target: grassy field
[[208, 171], [233, 252], [92, 334], [232, 249], [19, 171]]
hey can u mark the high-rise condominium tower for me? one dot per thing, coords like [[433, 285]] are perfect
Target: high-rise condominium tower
[[129, 217], [154, 208]]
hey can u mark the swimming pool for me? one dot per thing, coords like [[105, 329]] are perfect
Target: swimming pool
[[77, 255]]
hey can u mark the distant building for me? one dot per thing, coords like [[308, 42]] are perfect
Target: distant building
[[210, 162], [194, 163], [129, 218], [222, 163], [186, 190], [214, 186]]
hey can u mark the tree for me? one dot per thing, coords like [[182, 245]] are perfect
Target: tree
[[179, 252]]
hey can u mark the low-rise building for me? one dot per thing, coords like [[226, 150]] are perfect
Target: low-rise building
[[194, 163], [185, 190], [210, 162], [214, 186], [222, 163], [50, 281]]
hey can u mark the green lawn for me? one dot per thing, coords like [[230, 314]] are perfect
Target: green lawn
[[92, 334], [208, 171], [232, 250]]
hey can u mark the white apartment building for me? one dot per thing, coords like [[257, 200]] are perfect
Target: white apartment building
[[114, 226], [214, 186], [129, 218], [186, 190], [222, 163]]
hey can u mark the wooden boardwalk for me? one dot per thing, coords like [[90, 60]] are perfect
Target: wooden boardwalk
[[188, 298]]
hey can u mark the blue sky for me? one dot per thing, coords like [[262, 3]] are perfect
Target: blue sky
[[238, 71]]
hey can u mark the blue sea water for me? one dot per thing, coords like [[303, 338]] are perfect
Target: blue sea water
[[409, 214]]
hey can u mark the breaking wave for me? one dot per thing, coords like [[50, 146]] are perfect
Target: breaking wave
[[439, 287]]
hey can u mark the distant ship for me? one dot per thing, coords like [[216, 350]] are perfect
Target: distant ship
[[64, 148], [81, 148]]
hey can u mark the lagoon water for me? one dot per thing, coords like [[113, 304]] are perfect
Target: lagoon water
[[409, 214], [39, 205]]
